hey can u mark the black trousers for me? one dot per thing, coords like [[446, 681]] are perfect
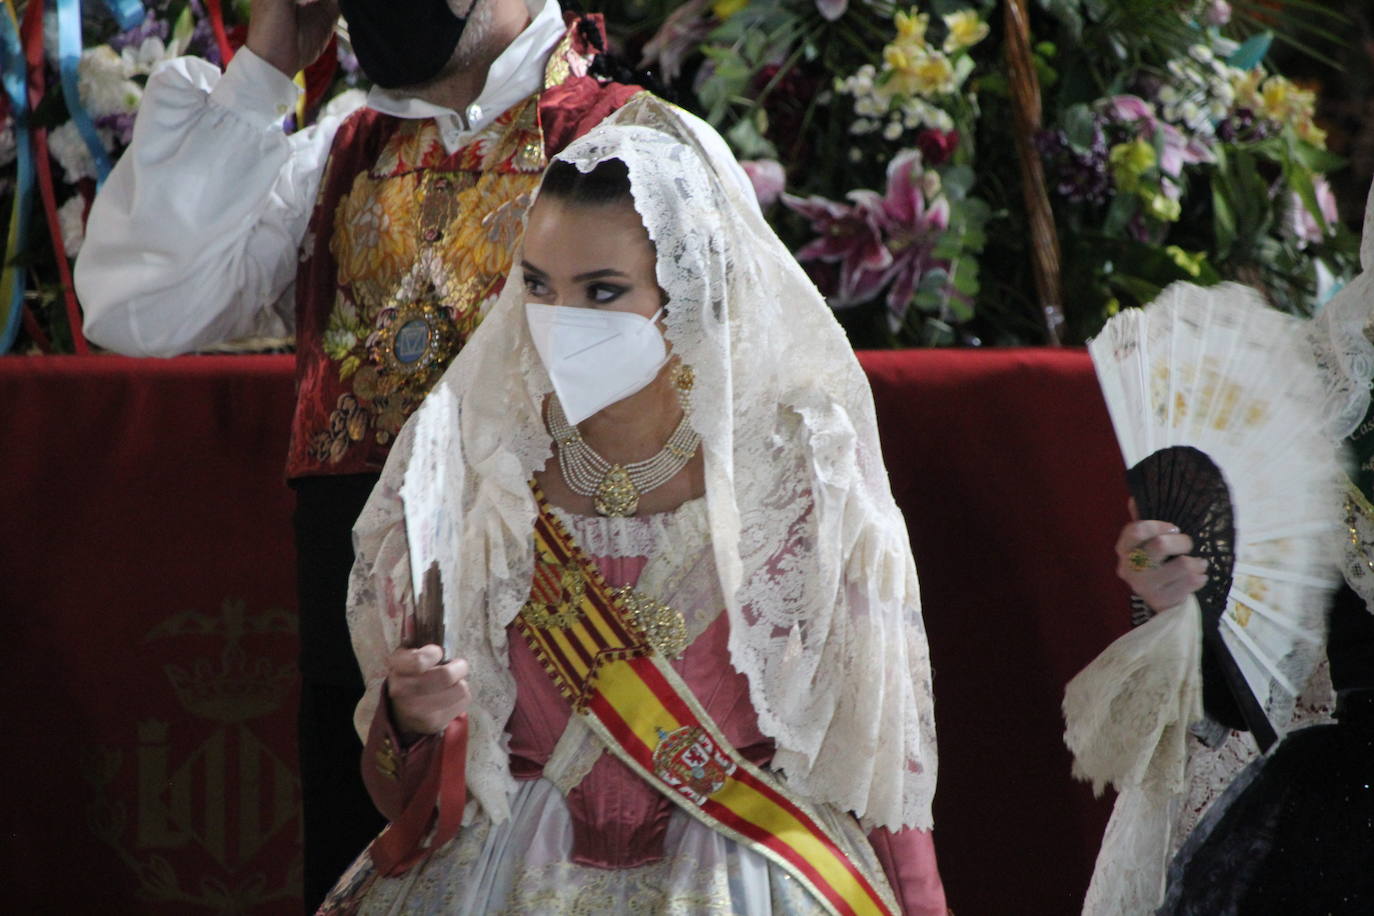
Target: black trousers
[[339, 819]]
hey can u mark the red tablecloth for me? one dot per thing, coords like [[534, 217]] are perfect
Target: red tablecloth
[[146, 579]]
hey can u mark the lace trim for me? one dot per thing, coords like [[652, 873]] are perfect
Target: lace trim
[[1357, 553], [679, 532]]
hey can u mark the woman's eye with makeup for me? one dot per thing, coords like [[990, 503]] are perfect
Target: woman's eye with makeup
[[602, 292], [535, 286]]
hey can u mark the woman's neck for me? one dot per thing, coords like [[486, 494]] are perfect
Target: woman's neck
[[637, 427]]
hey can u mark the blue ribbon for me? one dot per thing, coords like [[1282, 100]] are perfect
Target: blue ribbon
[[68, 58], [128, 13], [15, 76]]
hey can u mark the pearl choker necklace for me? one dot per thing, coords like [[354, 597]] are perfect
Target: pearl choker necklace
[[616, 488]]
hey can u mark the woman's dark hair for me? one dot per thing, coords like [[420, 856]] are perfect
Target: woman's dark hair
[[608, 183]]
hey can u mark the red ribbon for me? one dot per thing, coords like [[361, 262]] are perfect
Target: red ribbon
[[215, 11], [32, 34], [402, 845]]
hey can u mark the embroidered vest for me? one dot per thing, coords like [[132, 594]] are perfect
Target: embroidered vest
[[406, 247]]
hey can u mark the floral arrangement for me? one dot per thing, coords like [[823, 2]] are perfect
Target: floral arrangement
[[881, 138], [111, 71]]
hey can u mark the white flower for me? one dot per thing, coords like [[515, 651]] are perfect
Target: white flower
[[893, 130], [1200, 53], [71, 216], [67, 147], [152, 51], [104, 83]]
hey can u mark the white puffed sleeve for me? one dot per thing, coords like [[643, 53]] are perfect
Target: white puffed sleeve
[[194, 237]]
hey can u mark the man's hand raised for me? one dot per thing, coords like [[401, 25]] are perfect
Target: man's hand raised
[[291, 34]]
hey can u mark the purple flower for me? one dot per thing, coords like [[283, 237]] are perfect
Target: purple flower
[[913, 225], [1217, 12], [1176, 150], [150, 27], [767, 177], [679, 36], [851, 235], [121, 124]]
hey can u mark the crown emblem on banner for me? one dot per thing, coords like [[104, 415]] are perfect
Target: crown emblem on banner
[[234, 687]]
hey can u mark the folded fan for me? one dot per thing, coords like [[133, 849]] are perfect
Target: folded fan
[[1215, 397]]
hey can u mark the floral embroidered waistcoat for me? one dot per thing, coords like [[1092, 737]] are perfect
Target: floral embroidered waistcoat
[[407, 245]]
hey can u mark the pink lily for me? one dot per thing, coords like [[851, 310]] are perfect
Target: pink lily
[[850, 234], [913, 226]]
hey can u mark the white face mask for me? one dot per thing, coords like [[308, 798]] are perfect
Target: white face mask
[[595, 357]]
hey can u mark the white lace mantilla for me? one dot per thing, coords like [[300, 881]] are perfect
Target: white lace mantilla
[[811, 554], [1340, 341]]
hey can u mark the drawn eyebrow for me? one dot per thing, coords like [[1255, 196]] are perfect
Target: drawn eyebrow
[[599, 274]]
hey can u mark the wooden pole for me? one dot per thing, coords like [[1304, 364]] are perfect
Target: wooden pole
[[1025, 97]]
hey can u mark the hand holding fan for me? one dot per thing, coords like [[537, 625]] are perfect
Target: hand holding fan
[[1217, 406]]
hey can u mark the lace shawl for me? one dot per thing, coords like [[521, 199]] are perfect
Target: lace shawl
[[811, 551], [1340, 341]]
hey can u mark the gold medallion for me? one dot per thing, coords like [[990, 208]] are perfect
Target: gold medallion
[[617, 494]]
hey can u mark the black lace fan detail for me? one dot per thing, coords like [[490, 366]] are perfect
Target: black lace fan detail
[[1182, 485]]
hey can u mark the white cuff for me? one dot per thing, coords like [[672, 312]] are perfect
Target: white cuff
[[256, 90]]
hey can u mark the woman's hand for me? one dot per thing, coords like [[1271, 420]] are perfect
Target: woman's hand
[[1143, 552], [426, 695]]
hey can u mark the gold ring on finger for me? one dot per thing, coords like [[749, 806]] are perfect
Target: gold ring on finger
[[1140, 561]]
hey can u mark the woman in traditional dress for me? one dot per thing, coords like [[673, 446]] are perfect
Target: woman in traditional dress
[[1288, 832], [682, 616]]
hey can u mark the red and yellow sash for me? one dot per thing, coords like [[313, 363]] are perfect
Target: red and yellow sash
[[647, 717]]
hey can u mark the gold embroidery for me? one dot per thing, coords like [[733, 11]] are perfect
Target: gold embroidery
[[555, 603], [419, 250], [664, 627], [388, 761]]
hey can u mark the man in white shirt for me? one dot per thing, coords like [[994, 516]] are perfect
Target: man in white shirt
[[378, 237]]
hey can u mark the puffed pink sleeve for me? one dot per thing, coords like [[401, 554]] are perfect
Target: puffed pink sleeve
[[908, 859]]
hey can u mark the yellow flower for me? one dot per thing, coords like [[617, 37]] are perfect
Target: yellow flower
[[1309, 132], [1165, 209], [897, 58], [1284, 101], [919, 73], [1191, 264], [911, 27], [1246, 89], [1129, 161], [1274, 96], [965, 30], [724, 9]]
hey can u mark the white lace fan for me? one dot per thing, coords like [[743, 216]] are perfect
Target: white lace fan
[[1216, 399]]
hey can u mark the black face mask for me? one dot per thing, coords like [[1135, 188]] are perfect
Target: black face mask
[[402, 44]]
